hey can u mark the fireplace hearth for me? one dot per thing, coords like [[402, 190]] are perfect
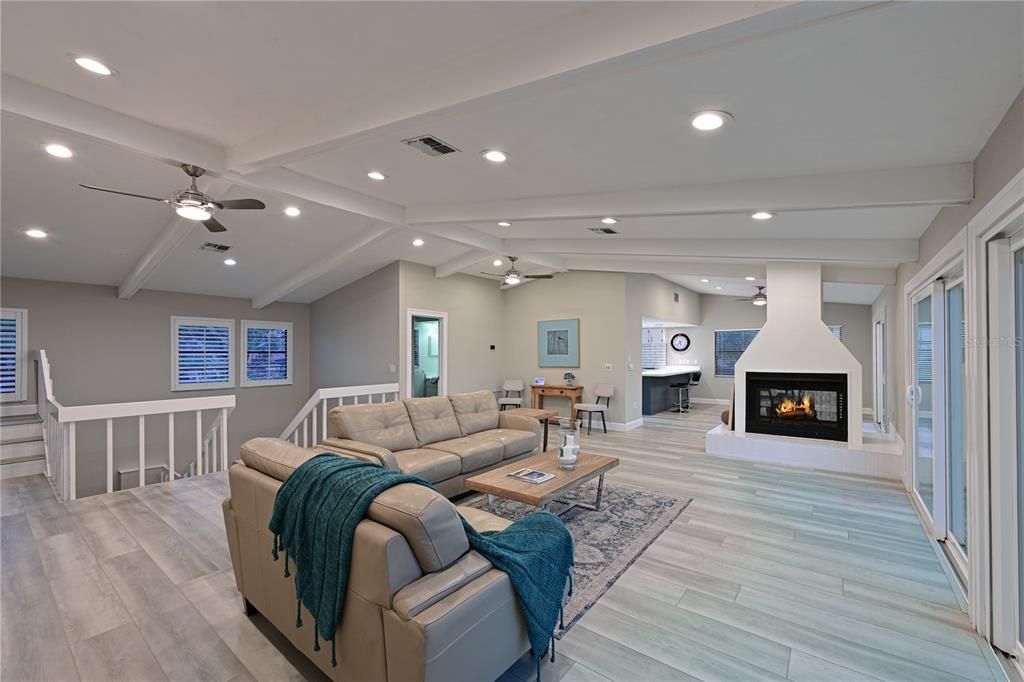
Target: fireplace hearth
[[797, 404]]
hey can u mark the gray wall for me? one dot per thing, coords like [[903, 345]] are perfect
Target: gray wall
[[475, 308], [999, 161], [598, 300], [103, 349], [721, 312], [354, 333]]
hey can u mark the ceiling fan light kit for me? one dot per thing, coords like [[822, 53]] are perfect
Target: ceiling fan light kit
[[193, 204]]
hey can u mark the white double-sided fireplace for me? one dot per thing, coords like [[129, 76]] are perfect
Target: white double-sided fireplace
[[798, 392]]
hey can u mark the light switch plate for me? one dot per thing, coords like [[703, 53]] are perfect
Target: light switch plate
[[607, 367]]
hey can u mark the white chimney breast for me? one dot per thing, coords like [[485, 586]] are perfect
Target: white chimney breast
[[795, 339]]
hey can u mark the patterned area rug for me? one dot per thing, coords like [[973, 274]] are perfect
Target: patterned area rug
[[607, 541]]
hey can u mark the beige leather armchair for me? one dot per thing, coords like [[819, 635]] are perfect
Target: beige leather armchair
[[420, 604]]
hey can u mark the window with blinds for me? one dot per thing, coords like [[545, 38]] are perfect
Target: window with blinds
[[203, 353], [267, 352], [12, 354], [924, 353], [729, 346]]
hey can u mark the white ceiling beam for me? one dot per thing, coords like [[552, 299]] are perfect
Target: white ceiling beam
[[921, 186], [166, 242], [326, 193], [544, 260], [460, 263], [596, 40], [78, 116], [465, 235], [893, 251], [317, 270], [857, 275], [702, 268]]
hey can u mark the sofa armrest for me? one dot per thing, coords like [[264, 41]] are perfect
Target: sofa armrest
[[519, 422], [421, 594], [378, 455]]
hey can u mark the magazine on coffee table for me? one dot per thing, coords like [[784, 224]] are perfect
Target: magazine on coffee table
[[531, 476]]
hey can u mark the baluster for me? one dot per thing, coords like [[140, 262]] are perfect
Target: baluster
[[224, 438], [295, 436], [199, 443], [142, 451], [212, 464], [64, 463], [305, 432], [110, 455], [206, 457], [170, 445], [323, 420], [71, 459]]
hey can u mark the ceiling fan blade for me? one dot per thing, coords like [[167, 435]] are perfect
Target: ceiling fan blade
[[538, 276], [213, 225], [127, 194], [491, 274], [241, 203], [748, 298]]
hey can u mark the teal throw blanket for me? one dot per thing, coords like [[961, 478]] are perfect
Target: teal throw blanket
[[314, 522]]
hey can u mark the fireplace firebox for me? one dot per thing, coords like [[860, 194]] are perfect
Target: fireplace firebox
[[794, 404]]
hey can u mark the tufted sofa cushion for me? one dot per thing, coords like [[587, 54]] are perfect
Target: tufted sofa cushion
[[385, 425], [433, 419], [475, 412]]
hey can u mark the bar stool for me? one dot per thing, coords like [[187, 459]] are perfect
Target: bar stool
[[682, 388]]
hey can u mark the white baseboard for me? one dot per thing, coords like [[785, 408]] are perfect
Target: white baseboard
[[710, 401], [620, 426]]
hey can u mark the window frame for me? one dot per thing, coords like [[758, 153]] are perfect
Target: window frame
[[243, 378], [715, 347], [178, 320], [20, 315]]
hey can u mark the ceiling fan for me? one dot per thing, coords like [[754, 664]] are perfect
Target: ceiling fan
[[191, 203], [760, 298], [513, 276]]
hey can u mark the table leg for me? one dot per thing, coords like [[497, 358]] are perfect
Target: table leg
[[490, 502], [600, 489], [546, 434]]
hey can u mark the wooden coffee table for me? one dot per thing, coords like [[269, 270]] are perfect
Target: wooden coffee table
[[588, 467]]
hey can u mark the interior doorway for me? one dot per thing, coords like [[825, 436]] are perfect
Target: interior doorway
[[427, 356]]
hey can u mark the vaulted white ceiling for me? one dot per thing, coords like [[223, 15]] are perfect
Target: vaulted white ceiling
[[854, 122]]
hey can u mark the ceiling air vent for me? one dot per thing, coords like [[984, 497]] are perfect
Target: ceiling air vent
[[430, 145], [213, 246], [602, 230]]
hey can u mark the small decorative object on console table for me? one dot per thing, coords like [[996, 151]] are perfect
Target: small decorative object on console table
[[568, 442], [569, 378]]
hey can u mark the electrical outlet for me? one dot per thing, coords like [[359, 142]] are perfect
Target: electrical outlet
[[607, 367]]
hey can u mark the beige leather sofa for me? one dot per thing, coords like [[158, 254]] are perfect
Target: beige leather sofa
[[420, 604], [444, 439]]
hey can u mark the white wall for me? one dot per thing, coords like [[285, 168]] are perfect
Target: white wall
[[103, 349]]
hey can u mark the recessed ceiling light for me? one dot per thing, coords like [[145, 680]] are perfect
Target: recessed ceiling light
[[59, 150], [609, 220], [495, 156], [706, 121], [292, 211], [230, 261], [497, 263], [718, 288], [750, 279], [504, 223], [376, 175], [36, 233], [762, 215], [93, 65], [417, 242], [705, 280]]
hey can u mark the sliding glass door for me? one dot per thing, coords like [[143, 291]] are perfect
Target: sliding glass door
[[921, 400], [956, 421], [1018, 275]]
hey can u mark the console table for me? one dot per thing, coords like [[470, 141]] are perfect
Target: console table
[[573, 393]]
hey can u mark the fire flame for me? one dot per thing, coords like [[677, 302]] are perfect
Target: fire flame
[[789, 406]]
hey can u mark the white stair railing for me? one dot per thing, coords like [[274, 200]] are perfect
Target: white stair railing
[[60, 432], [309, 426]]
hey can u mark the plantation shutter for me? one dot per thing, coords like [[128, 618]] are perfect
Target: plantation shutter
[[729, 346], [837, 330], [924, 352], [266, 354], [12, 354], [203, 354]]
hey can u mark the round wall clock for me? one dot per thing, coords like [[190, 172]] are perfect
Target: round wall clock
[[680, 342]]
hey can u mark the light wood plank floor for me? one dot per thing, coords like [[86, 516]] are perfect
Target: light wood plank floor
[[772, 573]]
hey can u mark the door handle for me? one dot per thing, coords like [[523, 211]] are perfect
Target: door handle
[[913, 394]]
